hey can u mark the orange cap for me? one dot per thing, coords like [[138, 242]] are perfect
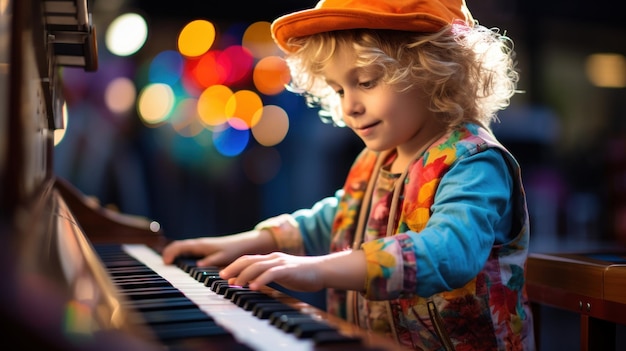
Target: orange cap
[[405, 15]]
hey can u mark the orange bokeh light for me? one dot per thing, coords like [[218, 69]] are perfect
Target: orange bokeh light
[[270, 75]]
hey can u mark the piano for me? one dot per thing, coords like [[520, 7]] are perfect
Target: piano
[[77, 276]]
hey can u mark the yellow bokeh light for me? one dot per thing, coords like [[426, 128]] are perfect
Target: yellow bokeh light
[[243, 105], [196, 38], [607, 70], [155, 103], [212, 104], [272, 126]]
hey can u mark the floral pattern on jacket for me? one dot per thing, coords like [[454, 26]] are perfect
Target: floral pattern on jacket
[[491, 312]]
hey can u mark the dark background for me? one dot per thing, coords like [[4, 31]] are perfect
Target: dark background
[[566, 133], [569, 136]]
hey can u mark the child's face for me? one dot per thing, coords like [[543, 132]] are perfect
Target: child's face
[[379, 114]]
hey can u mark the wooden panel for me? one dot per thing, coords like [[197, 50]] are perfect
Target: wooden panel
[[102, 225], [577, 276], [615, 283], [590, 284]]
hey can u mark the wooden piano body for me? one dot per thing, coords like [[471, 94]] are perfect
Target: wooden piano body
[[590, 284], [56, 293]]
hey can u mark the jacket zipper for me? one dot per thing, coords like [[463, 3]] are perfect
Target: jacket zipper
[[435, 318]]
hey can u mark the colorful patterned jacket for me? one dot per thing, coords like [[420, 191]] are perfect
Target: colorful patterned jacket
[[489, 312]]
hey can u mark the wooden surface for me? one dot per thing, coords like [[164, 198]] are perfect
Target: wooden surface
[[103, 225], [592, 285]]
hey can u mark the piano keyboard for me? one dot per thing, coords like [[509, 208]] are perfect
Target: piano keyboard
[[182, 302]]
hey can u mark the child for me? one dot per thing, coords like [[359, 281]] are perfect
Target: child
[[428, 239]]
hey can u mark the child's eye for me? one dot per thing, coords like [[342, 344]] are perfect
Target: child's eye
[[339, 92], [369, 83]]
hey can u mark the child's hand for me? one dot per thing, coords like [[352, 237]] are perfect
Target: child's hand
[[210, 251], [298, 273], [344, 270], [221, 250]]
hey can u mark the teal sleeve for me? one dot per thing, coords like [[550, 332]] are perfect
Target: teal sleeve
[[315, 224], [472, 212]]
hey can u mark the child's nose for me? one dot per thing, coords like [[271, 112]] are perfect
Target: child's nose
[[352, 106]]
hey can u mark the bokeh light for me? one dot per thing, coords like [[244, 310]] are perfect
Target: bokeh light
[[239, 60], [207, 70], [272, 127], [155, 103], [231, 141], [606, 70], [270, 75], [212, 105], [120, 95], [185, 119], [126, 34], [196, 38], [203, 94], [243, 105], [166, 67], [258, 39]]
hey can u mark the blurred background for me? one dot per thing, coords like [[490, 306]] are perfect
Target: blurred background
[[186, 121]]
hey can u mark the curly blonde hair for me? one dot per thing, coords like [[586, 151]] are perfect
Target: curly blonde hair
[[468, 72]]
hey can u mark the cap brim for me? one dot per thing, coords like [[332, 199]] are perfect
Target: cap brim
[[313, 21]]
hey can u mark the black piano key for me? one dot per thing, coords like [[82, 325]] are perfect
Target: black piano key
[[223, 288], [187, 330], [230, 291], [126, 286], [216, 284], [121, 271], [210, 279], [241, 298], [288, 323], [220, 342], [175, 316], [250, 304], [201, 276], [236, 295], [308, 330], [292, 324], [157, 304], [123, 263], [186, 263], [127, 281], [150, 293], [276, 318], [196, 272], [112, 253], [136, 277], [263, 310], [333, 337]]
